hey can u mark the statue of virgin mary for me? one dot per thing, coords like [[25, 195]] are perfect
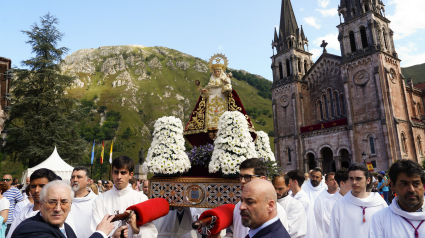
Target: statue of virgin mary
[[215, 99]]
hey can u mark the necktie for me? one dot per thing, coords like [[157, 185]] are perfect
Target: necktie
[[63, 232], [416, 228]]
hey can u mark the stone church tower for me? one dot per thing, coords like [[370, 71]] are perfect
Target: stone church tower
[[349, 108]]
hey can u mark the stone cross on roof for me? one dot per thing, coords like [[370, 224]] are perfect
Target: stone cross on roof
[[324, 44]]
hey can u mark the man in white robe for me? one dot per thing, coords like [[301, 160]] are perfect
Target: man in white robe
[[320, 204], [38, 179], [351, 215], [341, 177], [119, 198], [406, 214], [315, 186], [296, 178], [81, 208], [297, 220], [251, 169], [176, 224]]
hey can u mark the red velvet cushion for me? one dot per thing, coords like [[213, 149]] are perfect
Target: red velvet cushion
[[150, 210], [224, 216]]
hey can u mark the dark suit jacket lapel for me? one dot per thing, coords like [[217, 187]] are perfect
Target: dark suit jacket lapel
[[69, 232], [268, 229]]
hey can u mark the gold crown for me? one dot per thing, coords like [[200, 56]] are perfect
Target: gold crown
[[218, 65]]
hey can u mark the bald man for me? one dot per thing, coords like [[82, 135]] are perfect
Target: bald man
[[259, 210]]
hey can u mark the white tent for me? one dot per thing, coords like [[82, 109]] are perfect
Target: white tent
[[54, 163]]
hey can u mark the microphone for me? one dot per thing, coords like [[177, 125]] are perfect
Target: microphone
[[146, 211], [220, 218]]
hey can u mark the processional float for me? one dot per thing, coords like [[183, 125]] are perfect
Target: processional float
[[222, 135]]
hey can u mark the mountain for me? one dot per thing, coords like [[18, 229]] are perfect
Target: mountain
[[416, 72], [124, 89]]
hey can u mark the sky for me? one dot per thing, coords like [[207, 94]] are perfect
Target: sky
[[240, 29]]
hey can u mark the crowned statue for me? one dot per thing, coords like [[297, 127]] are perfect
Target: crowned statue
[[215, 99]]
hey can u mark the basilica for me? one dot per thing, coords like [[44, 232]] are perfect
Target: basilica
[[347, 108]]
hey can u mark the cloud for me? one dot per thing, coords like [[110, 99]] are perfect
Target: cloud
[[323, 3], [316, 53], [331, 39], [409, 55], [328, 12], [408, 17], [312, 21], [302, 9]]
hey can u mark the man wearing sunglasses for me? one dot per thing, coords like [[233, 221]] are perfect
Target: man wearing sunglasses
[[252, 169], [13, 195]]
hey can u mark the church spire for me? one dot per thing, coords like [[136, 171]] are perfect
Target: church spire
[[288, 23], [276, 39]]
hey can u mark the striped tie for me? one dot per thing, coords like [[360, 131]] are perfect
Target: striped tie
[[63, 232]]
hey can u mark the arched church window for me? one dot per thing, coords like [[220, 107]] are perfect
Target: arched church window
[[352, 41], [366, 7], [319, 110], [280, 70], [305, 67], [385, 38], [342, 103], [364, 37], [288, 68], [338, 109], [372, 145], [326, 105], [419, 142], [289, 155], [299, 65], [332, 102], [403, 143]]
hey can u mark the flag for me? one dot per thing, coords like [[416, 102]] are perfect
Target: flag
[[369, 166], [92, 153], [110, 154], [103, 150]]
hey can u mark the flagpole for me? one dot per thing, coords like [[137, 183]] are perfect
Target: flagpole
[[100, 175]]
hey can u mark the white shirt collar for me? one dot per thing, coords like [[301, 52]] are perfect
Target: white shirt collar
[[252, 233]]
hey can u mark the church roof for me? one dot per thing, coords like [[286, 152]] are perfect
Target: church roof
[[288, 23], [420, 86]]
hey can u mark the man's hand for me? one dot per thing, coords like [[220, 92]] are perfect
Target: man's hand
[[133, 223], [117, 233], [106, 226]]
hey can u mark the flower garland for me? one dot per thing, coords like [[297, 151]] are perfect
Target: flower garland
[[233, 144], [262, 146], [166, 154]]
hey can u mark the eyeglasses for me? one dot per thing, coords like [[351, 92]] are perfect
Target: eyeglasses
[[247, 177], [53, 203], [5, 179]]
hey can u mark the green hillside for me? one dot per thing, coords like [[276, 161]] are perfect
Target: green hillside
[[139, 84], [416, 72]]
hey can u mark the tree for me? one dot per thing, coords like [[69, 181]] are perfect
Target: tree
[[127, 133], [41, 116]]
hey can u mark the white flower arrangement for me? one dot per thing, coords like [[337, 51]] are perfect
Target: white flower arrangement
[[262, 146], [166, 154], [233, 144]]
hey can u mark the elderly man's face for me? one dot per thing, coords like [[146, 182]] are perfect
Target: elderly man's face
[[254, 208], [217, 72], [56, 206]]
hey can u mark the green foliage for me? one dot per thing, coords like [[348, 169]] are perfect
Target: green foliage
[[262, 122], [41, 116], [262, 85], [102, 109], [271, 133], [416, 72], [105, 132], [127, 133]]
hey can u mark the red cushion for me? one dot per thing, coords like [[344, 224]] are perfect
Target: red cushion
[[150, 210], [224, 216]]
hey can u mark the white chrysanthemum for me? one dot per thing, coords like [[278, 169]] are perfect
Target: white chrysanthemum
[[166, 154], [262, 146], [233, 144]]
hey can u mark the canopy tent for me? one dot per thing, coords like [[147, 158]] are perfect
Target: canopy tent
[[54, 163]]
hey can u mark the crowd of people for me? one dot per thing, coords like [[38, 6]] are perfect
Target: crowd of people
[[347, 203]]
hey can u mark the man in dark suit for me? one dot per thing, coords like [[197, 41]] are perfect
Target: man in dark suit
[[259, 210], [56, 198]]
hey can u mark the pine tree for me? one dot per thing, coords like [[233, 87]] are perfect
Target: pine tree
[[41, 116]]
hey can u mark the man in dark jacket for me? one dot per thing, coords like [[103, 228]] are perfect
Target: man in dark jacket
[[259, 210], [56, 198]]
